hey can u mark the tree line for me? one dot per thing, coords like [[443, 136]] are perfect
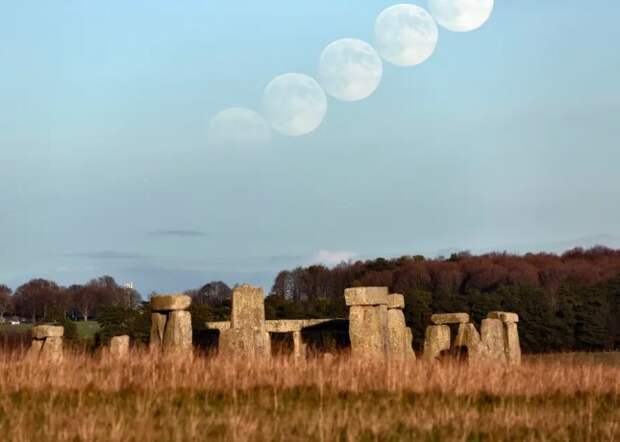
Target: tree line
[[565, 302]]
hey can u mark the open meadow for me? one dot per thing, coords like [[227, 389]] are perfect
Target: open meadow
[[92, 398]]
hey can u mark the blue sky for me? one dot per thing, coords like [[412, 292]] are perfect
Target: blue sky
[[507, 137]]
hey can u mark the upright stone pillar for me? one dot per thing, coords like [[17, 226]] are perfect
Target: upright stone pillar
[[46, 343], [493, 336], [469, 338], [247, 335], [119, 347], [299, 347], [171, 324], [368, 321], [512, 346], [399, 336], [436, 340]]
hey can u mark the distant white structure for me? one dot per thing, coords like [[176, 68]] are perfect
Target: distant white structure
[[128, 285]]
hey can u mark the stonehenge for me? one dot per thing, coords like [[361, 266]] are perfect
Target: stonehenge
[[171, 324], [119, 347], [247, 334], [399, 336], [368, 321], [46, 343], [497, 341]]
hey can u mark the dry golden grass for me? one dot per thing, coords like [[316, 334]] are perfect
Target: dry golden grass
[[148, 398]]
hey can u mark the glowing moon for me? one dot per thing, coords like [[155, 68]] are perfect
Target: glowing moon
[[350, 69], [295, 104], [405, 34], [238, 127], [461, 15]]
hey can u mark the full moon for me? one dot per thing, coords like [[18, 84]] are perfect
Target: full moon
[[238, 127], [295, 104], [350, 69], [461, 15], [405, 34]]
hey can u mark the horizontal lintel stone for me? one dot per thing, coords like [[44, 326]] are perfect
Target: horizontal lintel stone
[[449, 318], [163, 303], [396, 301], [504, 316], [47, 331], [366, 296]]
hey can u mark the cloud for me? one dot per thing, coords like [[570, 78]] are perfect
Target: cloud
[[178, 233], [107, 254], [332, 258]]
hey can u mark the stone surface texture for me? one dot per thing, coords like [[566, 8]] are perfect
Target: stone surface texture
[[398, 335], [366, 296], [436, 340], [396, 301], [167, 303], [178, 333], [46, 331], [119, 346], [35, 349], [248, 307], [368, 331], [513, 347], [504, 316], [247, 335], [51, 351], [158, 327], [449, 318], [493, 336]]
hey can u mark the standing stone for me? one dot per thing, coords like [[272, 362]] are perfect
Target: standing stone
[[178, 334], [436, 340], [399, 336], [46, 343], [119, 347], [513, 347], [468, 337], [52, 349], [299, 347], [493, 336], [35, 349], [368, 321], [504, 316], [171, 325], [158, 327], [248, 309], [247, 335]]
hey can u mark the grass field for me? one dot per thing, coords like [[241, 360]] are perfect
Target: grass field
[[147, 398], [86, 329]]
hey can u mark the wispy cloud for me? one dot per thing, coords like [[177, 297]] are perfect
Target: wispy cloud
[[178, 233], [107, 254], [332, 258]]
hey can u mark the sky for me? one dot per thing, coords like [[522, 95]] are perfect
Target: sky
[[506, 138]]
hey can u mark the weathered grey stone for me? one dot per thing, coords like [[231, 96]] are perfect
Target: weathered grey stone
[[409, 342], [366, 296], [248, 307], [513, 347], [46, 331], [166, 303], [119, 346], [158, 327], [396, 301], [504, 316], [52, 349], [368, 331], [35, 349], [449, 318], [493, 336], [436, 340], [178, 333], [398, 335], [244, 342]]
